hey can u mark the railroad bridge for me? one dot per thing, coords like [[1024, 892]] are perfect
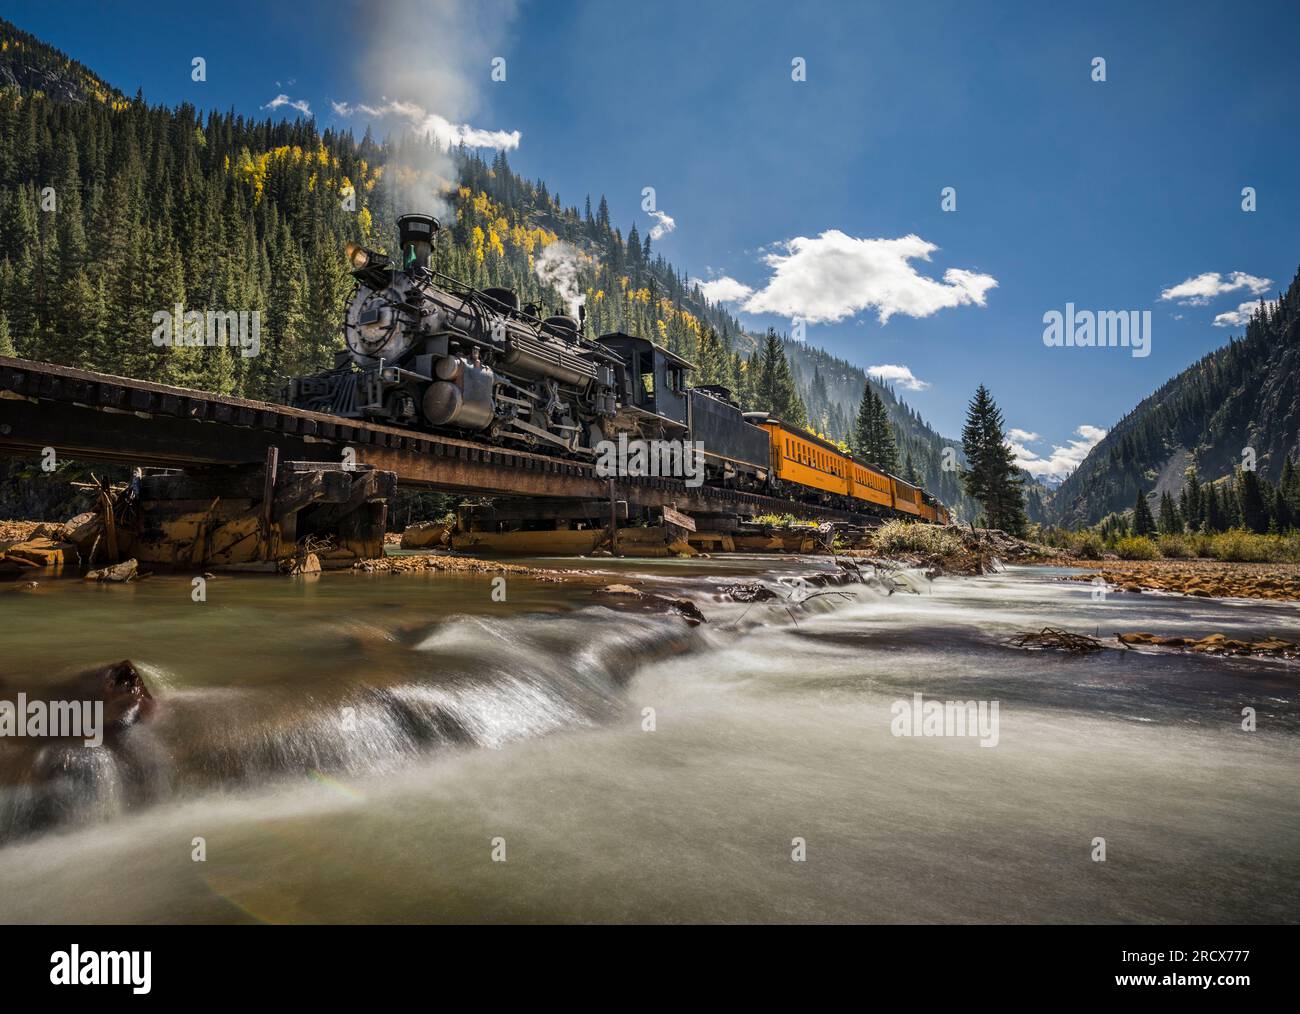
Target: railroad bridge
[[100, 417]]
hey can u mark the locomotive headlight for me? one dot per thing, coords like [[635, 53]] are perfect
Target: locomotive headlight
[[358, 256]]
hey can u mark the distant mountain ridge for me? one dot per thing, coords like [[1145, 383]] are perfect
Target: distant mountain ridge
[[1244, 395]]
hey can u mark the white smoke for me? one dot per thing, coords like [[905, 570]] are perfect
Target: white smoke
[[426, 64], [664, 224], [433, 127], [558, 266]]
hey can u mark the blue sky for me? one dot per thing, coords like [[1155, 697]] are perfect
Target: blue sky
[[1101, 194]]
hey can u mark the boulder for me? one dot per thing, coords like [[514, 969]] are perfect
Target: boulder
[[43, 552], [308, 564], [426, 534], [122, 688], [82, 531]]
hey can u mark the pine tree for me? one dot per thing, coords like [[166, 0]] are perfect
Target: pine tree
[[863, 437], [1254, 510], [1191, 504], [1289, 490], [1231, 501], [6, 343], [991, 475], [1170, 522], [1144, 525], [774, 388], [1213, 520], [885, 450]]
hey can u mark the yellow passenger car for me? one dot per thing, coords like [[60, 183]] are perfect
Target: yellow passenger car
[[806, 460], [907, 498], [800, 457], [870, 485]]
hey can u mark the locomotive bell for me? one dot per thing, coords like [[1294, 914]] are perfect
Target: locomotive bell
[[415, 236]]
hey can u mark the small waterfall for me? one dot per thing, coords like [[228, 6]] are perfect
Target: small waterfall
[[484, 682]]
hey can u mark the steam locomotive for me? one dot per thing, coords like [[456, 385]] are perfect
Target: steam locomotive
[[424, 351]]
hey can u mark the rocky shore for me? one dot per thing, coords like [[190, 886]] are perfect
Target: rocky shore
[[1202, 578]]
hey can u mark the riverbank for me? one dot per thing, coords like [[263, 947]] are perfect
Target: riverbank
[[32, 548]]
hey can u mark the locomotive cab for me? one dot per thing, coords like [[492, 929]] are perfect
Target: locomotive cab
[[654, 381]]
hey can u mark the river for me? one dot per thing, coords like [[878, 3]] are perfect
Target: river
[[388, 748]]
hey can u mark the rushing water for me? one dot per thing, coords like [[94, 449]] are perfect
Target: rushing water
[[360, 748]]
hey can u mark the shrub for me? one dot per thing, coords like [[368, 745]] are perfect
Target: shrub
[[1137, 548], [910, 537], [784, 521], [1238, 546], [1176, 547], [1090, 546]]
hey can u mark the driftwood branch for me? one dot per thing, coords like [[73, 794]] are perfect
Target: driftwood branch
[[1055, 637]]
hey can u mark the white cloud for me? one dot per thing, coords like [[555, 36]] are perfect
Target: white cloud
[[1063, 459], [899, 375], [1239, 317], [441, 129], [284, 100], [834, 275], [723, 290], [1201, 289], [664, 224]]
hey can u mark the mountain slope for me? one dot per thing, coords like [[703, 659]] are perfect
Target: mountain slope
[[1244, 395], [27, 63]]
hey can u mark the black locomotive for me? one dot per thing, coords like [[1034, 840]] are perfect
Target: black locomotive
[[425, 352]]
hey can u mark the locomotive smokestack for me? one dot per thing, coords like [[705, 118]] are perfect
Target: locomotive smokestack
[[415, 235]]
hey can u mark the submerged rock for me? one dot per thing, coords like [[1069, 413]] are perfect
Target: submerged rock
[[688, 610], [120, 573], [752, 592], [123, 690], [619, 589]]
